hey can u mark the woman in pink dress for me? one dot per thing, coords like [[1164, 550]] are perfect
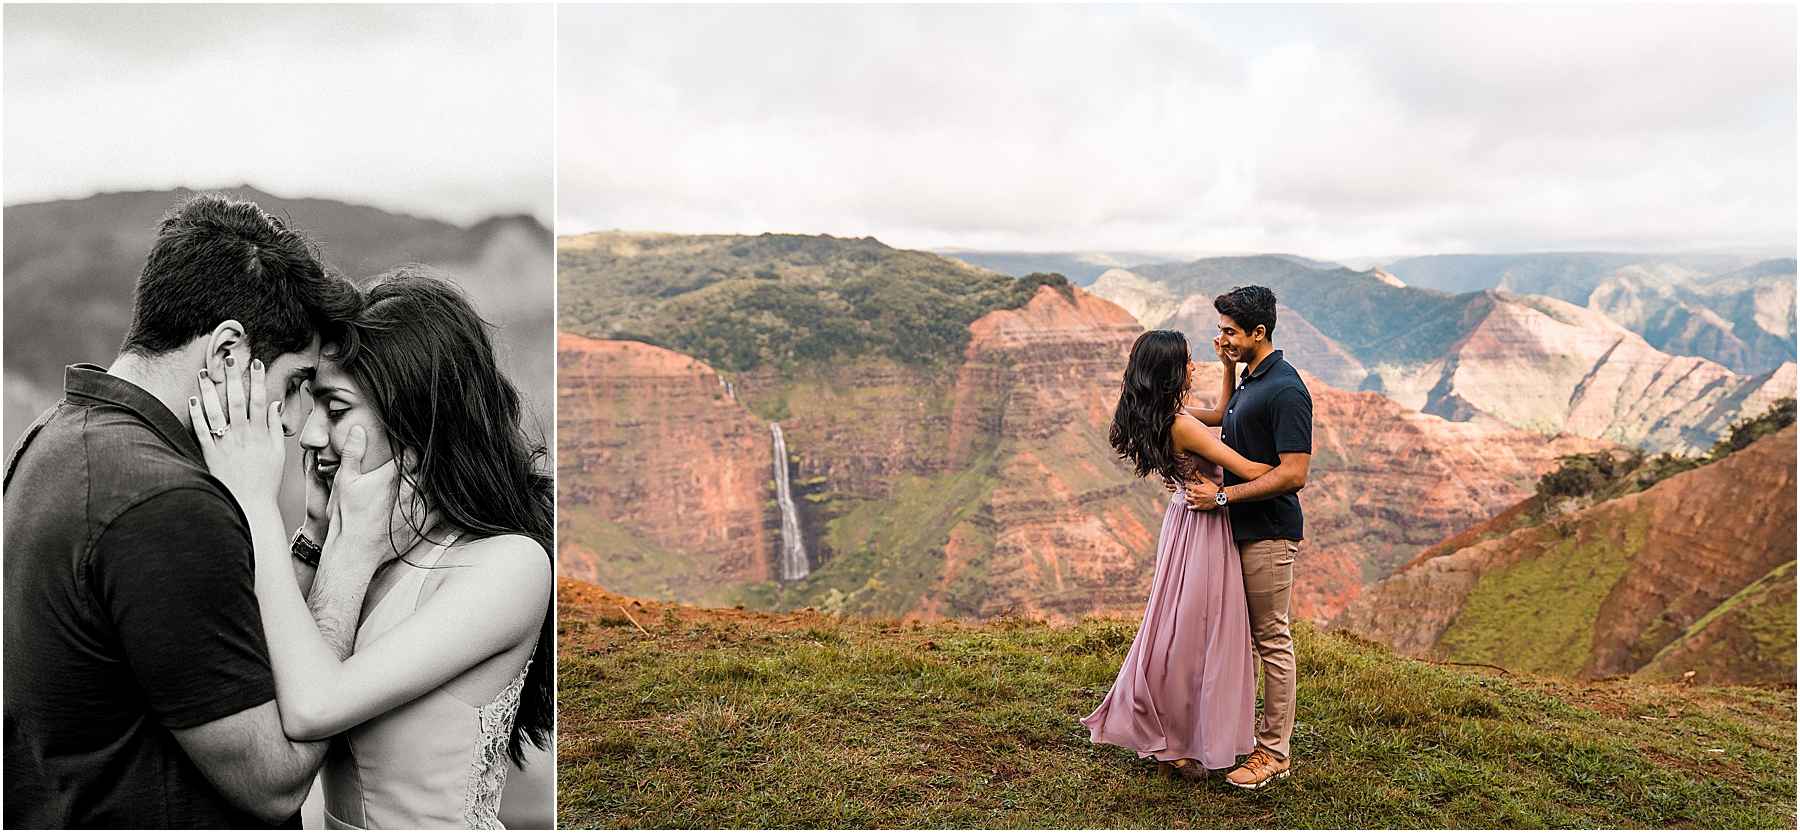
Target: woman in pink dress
[[1186, 694]]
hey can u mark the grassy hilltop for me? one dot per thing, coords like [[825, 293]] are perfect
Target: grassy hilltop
[[674, 716]]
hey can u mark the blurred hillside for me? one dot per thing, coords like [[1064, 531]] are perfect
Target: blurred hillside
[[70, 266]]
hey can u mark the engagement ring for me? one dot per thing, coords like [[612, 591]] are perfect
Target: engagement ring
[[218, 432]]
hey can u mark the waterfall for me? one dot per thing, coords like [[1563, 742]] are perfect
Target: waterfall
[[793, 549]]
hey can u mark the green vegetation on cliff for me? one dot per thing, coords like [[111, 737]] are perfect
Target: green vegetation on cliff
[[778, 300], [728, 719], [1538, 615]]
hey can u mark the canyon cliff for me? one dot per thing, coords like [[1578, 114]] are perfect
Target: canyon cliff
[[1686, 575], [662, 478]]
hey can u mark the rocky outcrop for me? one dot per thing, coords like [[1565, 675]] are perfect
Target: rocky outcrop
[[1603, 590], [663, 478], [1073, 529]]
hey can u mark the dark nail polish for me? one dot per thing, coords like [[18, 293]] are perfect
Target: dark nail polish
[[256, 364], [203, 374], [231, 361], [193, 401]]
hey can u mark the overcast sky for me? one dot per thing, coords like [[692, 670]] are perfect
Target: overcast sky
[[1329, 131], [437, 111]]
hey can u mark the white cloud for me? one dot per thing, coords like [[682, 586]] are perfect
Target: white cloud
[[438, 111], [1332, 131]]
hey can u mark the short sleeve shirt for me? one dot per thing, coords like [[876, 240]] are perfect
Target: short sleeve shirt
[[130, 612], [1270, 414]]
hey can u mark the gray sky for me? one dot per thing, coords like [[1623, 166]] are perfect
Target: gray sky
[[1330, 131], [437, 111]]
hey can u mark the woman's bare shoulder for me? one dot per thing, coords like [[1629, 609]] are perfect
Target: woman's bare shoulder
[[500, 553]]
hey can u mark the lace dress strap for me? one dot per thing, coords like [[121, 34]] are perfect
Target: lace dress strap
[[487, 774]]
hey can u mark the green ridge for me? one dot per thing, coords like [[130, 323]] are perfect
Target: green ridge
[[1758, 610], [779, 300], [1538, 615]]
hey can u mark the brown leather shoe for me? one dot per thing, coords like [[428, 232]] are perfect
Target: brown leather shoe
[[1258, 770]]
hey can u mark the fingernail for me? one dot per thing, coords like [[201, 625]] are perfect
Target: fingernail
[[256, 364], [230, 361], [203, 374], [193, 402]]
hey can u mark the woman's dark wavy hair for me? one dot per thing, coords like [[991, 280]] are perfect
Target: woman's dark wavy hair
[[1142, 424], [423, 357]]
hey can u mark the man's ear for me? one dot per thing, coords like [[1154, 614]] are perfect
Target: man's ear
[[226, 339], [1261, 333]]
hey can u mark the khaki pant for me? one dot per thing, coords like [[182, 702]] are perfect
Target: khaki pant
[[1268, 580]]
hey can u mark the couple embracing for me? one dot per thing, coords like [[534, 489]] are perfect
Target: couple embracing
[[1218, 606], [174, 656]]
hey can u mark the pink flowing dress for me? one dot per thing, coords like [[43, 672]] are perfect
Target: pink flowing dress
[[1188, 685]]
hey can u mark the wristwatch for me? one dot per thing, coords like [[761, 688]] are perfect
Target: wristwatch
[[1219, 498], [304, 548]]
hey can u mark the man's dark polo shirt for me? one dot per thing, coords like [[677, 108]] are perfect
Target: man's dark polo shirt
[[130, 611], [1269, 415]]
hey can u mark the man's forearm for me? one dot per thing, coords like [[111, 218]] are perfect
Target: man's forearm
[[1275, 483], [336, 601]]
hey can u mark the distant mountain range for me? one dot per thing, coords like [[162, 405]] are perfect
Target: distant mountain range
[[1081, 268], [1528, 361], [1734, 309]]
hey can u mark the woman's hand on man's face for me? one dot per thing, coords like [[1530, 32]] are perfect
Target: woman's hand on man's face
[[239, 431], [369, 511]]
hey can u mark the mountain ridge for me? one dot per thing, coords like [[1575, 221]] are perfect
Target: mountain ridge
[[1603, 590]]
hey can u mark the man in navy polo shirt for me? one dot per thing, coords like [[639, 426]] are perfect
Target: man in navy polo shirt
[[1269, 420], [138, 687]]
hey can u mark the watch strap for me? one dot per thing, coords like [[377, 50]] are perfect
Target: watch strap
[[305, 549]]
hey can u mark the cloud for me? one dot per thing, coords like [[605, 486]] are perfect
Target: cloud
[[438, 111], [1331, 131]]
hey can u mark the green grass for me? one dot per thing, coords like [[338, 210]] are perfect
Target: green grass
[[728, 719]]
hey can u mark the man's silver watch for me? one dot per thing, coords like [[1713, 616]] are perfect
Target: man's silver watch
[[1219, 498]]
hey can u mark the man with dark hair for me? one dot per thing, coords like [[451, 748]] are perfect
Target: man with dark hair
[[1269, 420], [138, 686]]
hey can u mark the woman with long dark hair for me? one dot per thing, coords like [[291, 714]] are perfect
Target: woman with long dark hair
[[1186, 694], [412, 622]]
